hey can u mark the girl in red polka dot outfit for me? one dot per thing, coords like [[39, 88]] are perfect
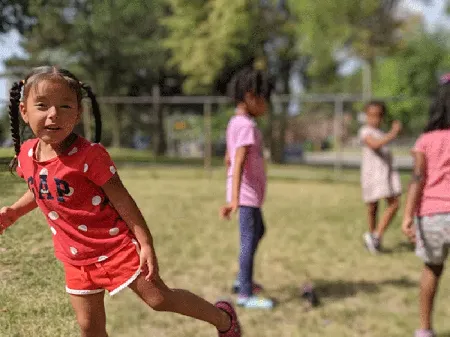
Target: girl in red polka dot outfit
[[98, 232]]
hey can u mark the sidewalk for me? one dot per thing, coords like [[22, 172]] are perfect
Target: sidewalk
[[348, 160]]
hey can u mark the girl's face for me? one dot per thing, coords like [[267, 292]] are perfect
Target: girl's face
[[256, 105], [51, 109], [374, 115]]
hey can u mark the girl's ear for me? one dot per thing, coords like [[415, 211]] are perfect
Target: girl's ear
[[23, 112], [248, 97]]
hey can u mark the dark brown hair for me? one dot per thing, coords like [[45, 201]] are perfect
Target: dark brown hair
[[31, 81], [249, 80], [439, 111], [379, 104]]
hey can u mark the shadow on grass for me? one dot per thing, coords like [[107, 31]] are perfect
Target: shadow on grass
[[340, 289], [400, 247]]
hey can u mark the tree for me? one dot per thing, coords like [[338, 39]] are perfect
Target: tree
[[14, 14], [210, 40], [364, 29], [413, 73], [113, 44], [204, 36]]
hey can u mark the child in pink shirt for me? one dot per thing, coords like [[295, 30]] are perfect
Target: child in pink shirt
[[429, 201], [246, 178]]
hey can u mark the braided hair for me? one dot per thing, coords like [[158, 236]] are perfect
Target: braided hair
[[31, 81], [439, 111], [249, 80]]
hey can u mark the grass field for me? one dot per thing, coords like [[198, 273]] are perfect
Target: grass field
[[123, 155], [314, 232]]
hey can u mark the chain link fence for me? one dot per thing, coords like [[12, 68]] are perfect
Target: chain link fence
[[311, 129]]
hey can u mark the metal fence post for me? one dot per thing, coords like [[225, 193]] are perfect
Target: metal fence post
[[337, 131], [207, 107]]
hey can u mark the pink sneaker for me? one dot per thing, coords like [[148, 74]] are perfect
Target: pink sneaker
[[235, 328]]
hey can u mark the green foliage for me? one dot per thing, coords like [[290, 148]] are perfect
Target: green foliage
[[220, 121], [206, 35], [14, 14], [413, 73], [364, 29], [4, 123], [113, 45], [99, 41], [213, 38], [124, 47]]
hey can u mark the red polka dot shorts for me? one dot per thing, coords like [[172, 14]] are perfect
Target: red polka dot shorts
[[114, 274]]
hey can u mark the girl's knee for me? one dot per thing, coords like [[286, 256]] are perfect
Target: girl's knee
[[160, 302], [90, 326], [158, 296], [394, 203], [372, 208]]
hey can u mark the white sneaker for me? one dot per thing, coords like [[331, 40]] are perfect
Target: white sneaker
[[424, 333], [369, 242]]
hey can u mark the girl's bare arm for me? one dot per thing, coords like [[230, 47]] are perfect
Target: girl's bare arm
[[25, 204], [416, 186], [9, 215], [128, 210], [376, 144]]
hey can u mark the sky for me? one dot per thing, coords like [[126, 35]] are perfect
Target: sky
[[433, 14]]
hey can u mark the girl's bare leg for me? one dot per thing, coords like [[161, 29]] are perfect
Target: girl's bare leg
[[372, 210], [161, 298], [90, 313], [388, 215], [428, 288]]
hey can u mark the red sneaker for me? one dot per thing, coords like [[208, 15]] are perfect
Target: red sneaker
[[235, 328]]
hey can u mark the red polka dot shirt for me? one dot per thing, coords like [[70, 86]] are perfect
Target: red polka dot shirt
[[85, 227]]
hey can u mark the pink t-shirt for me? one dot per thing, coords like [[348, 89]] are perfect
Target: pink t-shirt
[[436, 193], [243, 131], [85, 227]]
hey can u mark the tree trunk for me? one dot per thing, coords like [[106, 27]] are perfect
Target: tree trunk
[[278, 124], [279, 116]]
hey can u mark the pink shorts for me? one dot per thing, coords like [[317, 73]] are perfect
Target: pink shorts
[[114, 274]]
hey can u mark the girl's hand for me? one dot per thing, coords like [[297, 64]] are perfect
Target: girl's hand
[[227, 210], [149, 260], [227, 160], [396, 127], [7, 217], [408, 229]]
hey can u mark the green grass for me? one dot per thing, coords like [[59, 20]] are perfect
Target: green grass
[[6, 152], [123, 155], [314, 232]]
